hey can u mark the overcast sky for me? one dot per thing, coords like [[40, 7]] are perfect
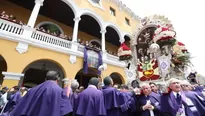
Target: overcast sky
[[188, 19]]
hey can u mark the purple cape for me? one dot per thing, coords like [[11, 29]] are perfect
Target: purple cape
[[90, 102], [199, 103], [13, 101], [126, 102], [113, 101], [46, 99], [168, 108]]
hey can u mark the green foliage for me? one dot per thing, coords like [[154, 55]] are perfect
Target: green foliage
[[53, 28], [166, 42], [184, 59]]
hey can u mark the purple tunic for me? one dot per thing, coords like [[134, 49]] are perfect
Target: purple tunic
[[73, 98], [198, 102], [155, 101], [113, 101], [90, 102], [168, 107], [46, 99], [13, 101]]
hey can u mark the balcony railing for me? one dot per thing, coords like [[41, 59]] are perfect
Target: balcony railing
[[13, 31], [50, 39], [112, 58], [10, 27], [80, 48]]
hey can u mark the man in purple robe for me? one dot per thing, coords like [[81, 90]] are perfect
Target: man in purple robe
[[90, 102], [13, 97], [154, 88], [46, 99], [175, 102], [149, 101], [131, 106], [197, 100], [73, 94], [199, 90], [114, 99]]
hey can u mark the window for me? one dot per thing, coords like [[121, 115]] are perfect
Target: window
[[50, 27], [112, 11], [127, 21], [96, 1]]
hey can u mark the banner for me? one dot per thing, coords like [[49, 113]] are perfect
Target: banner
[[92, 59]]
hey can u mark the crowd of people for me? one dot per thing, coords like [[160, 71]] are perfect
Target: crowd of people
[[49, 99], [11, 18]]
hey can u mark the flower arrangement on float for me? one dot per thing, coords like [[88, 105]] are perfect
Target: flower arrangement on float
[[124, 52], [164, 35], [180, 56]]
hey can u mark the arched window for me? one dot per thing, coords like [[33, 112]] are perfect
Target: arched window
[[50, 27]]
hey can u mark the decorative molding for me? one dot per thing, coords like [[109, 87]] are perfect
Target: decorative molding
[[39, 2], [77, 19], [22, 47], [96, 4], [111, 62], [103, 31], [91, 13], [12, 76], [95, 40], [112, 25], [72, 5], [122, 40], [73, 59]]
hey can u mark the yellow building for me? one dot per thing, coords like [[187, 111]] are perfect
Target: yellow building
[[37, 36]]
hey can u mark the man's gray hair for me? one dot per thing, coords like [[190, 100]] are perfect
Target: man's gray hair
[[172, 80], [144, 84], [74, 85]]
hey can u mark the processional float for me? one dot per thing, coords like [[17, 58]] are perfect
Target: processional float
[[155, 54]]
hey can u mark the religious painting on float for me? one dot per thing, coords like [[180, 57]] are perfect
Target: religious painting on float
[[148, 69], [157, 53], [164, 36], [153, 38], [146, 61]]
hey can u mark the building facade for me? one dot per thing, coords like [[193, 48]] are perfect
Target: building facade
[[41, 35]]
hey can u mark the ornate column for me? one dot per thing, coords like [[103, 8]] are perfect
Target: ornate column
[[11, 79], [103, 40], [75, 29], [34, 14], [104, 52], [122, 39], [29, 28], [75, 44]]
